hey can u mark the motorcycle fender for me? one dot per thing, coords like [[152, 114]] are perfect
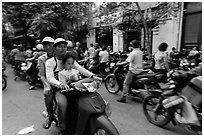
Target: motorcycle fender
[[91, 104], [88, 105], [110, 75], [101, 122]]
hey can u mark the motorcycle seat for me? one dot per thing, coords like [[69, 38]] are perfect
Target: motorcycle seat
[[146, 75]]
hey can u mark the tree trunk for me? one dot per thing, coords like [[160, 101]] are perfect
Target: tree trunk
[[146, 31]]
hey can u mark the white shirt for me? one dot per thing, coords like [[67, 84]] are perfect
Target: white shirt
[[135, 61], [51, 64], [91, 52], [104, 56], [161, 58], [67, 76]]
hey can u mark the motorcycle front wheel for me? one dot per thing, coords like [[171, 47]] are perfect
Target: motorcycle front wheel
[[4, 83], [102, 132], [111, 84], [160, 117], [101, 125]]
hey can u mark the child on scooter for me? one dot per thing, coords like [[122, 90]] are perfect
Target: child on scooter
[[68, 74]]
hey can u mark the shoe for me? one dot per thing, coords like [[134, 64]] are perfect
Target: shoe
[[32, 88], [122, 100], [47, 123]]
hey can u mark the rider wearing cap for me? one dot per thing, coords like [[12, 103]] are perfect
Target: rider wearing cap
[[47, 43], [53, 66]]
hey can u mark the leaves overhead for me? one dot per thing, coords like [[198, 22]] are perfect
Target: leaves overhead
[[130, 15], [41, 16]]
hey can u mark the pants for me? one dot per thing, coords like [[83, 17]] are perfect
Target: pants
[[127, 82], [33, 74]]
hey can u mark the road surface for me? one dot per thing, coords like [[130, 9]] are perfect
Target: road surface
[[23, 108]]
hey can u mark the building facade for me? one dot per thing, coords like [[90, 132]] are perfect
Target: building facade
[[182, 31]]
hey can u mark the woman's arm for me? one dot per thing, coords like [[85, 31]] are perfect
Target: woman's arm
[[82, 70]]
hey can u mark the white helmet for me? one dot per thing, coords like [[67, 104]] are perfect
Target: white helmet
[[69, 44], [39, 46]]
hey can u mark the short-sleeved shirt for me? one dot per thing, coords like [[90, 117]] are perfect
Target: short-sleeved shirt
[[135, 61], [91, 52], [160, 59]]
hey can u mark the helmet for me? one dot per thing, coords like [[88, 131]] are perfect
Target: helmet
[[69, 44], [59, 40], [39, 46], [48, 39]]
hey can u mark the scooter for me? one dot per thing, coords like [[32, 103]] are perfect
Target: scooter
[[18, 71], [140, 86], [100, 69], [88, 113], [181, 108], [32, 73]]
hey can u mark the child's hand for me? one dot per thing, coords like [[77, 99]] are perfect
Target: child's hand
[[64, 86]]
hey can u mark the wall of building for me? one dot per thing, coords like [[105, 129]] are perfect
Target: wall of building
[[91, 38], [166, 32], [118, 42]]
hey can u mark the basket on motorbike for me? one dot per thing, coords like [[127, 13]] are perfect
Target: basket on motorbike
[[193, 91]]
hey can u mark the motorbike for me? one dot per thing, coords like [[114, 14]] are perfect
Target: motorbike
[[32, 73], [88, 113], [100, 69], [140, 86], [167, 105], [18, 71], [4, 81]]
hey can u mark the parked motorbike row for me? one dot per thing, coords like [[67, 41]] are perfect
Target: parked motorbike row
[[26, 71], [186, 62]]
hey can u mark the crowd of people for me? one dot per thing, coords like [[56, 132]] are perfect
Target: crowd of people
[[58, 67]]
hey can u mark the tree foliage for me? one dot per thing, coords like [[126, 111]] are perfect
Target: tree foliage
[[46, 17]]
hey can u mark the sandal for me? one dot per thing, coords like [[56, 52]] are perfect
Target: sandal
[[47, 123]]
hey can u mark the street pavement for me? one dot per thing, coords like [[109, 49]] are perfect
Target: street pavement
[[23, 108]]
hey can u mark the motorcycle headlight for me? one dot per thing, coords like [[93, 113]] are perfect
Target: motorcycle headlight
[[108, 109], [23, 64], [93, 86], [193, 64]]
